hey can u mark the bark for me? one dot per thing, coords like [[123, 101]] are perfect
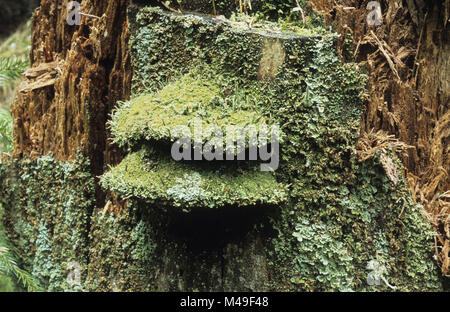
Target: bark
[[80, 72], [413, 105]]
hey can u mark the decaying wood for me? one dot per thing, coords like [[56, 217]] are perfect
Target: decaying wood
[[41, 76], [78, 74], [386, 54], [408, 58]]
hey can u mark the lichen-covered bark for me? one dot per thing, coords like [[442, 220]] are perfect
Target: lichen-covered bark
[[341, 215], [409, 98], [47, 206]]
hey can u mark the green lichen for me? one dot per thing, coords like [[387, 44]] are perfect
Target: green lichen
[[47, 204], [156, 117], [161, 180], [322, 260]]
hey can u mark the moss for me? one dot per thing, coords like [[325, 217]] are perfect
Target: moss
[[154, 117], [159, 179], [263, 9]]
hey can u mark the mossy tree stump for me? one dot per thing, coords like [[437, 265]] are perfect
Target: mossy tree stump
[[338, 216]]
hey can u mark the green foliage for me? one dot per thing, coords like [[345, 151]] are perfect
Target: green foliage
[[8, 266], [13, 62], [6, 132], [12, 276], [15, 49], [10, 69]]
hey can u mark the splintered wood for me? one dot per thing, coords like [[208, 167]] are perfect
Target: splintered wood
[[41, 76], [408, 61]]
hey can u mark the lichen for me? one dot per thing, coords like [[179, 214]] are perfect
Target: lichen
[[322, 261], [195, 96], [157, 178], [47, 205]]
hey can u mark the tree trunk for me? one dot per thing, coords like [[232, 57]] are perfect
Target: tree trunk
[[413, 106], [77, 76], [341, 214]]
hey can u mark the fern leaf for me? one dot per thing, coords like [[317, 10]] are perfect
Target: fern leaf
[[11, 68], [9, 266], [6, 132]]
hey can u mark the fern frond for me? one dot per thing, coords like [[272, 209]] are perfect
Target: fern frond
[[11, 68], [6, 131], [8, 266]]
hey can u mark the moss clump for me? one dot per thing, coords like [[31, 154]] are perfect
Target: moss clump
[[161, 180], [156, 117]]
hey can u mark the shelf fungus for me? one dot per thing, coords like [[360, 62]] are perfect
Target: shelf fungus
[[154, 177]]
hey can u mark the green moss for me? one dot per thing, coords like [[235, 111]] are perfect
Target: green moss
[[161, 180], [155, 117]]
